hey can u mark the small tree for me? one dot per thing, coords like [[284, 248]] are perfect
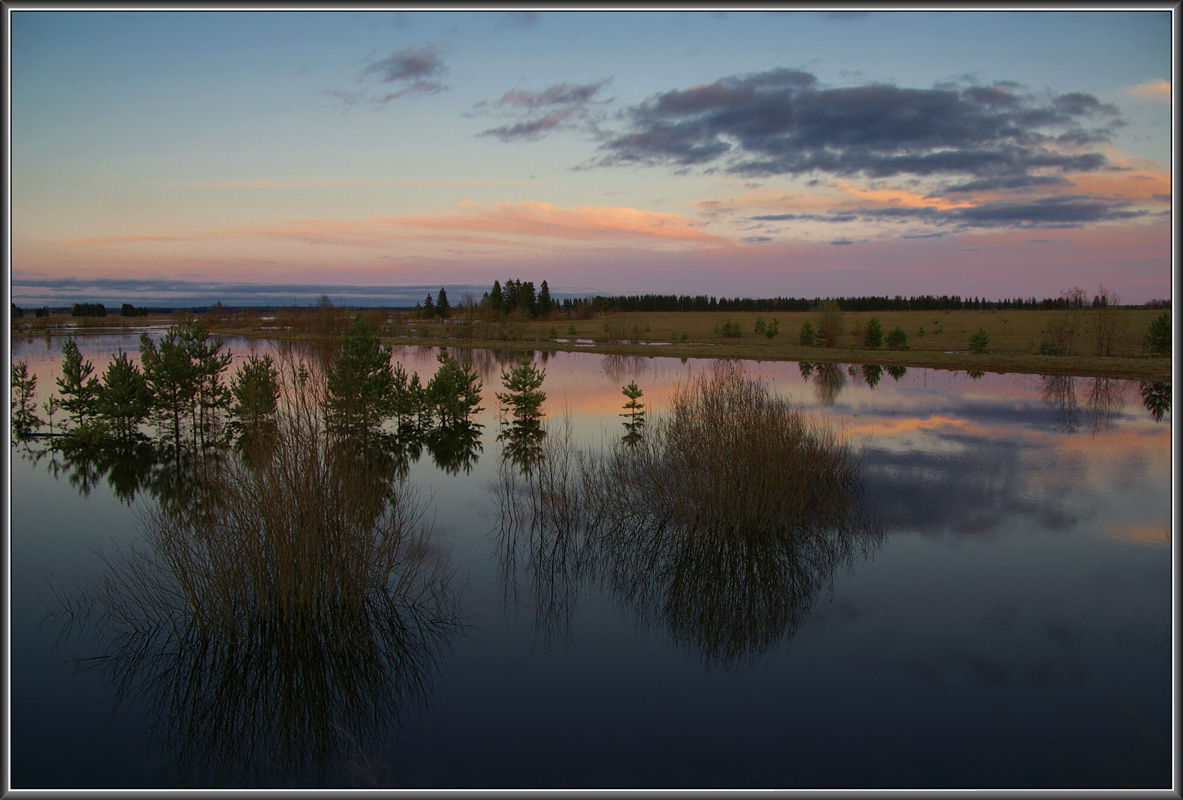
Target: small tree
[[255, 393], [496, 299], [898, 339], [171, 377], [410, 398], [729, 329], [772, 329], [360, 382], [442, 308], [454, 392], [806, 336], [124, 401], [1105, 320], [978, 342], [635, 411], [428, 308], [79, 390], [829, 323], [24, 417], [1158, 336], [212, 394], [873, 335], [523, 395]]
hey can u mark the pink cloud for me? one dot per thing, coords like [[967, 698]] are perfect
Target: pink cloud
[[497, 223], [1157, 89]]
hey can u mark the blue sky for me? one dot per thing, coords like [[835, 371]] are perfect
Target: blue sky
[[167, 156]]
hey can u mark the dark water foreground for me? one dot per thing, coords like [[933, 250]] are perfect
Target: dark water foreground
[[999, 617]]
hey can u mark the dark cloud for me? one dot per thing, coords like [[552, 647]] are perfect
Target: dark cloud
[[407, 64], [560, 105], [1061, 211], [412, 70], [1066, 211], [758, 239], [562, 94], [806, 218], [1012, 183], [530, 129], [783, 122], [842, 242]]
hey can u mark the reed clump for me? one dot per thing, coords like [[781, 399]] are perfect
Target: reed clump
[[722, 524], [295, 607]]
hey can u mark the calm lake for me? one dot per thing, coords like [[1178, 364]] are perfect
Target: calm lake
[[1009, 624]]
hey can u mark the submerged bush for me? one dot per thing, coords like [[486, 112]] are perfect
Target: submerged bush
[[723, 522], [300, 589], [979, 341]]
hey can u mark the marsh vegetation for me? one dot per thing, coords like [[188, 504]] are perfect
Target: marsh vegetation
[[721, 522], [286, 609]]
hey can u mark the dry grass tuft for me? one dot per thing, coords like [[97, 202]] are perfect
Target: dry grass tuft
[[296, 607], [722, 524]]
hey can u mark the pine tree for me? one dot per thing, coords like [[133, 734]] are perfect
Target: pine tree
[[545, 304], [360, 382], [255, 393], [635, 412], [124, 401], [79, 390], [873, 335], [454, 392], [24, 418], [524, 396]]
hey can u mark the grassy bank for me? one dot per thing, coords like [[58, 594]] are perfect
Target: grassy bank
[[936, 339]]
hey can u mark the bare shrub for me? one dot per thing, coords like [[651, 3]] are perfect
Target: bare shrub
[[292, 608], [829, 324], [722, 523]]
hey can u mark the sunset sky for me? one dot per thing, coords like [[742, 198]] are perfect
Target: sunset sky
[[183, 157]]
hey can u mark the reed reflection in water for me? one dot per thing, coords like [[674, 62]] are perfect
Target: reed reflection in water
[[281, 617], [722, 524]]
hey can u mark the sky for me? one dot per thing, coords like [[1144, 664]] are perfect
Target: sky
[[178, 157]]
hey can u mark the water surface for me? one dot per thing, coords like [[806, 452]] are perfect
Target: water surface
[[1011, 627]]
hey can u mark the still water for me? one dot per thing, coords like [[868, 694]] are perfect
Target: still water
[[1009, 626]]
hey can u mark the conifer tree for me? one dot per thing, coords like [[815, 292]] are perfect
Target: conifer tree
[[360, 382], [24, 417], [454, 392], [524, 396], [124, 401], [79, 390]]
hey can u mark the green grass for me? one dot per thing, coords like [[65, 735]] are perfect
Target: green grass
[[1015, 336]]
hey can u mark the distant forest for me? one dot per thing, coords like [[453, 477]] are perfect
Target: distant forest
[[521, 296]]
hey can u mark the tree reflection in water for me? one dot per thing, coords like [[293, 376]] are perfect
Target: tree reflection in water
[[1156, 397], [722, 525], [1105, 399], [279, 615]]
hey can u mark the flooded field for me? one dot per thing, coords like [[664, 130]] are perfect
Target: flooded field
[[987, 602]]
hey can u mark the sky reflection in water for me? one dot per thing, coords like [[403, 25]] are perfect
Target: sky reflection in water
[[1011, 629]]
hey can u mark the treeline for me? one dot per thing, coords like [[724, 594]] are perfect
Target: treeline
[[87, 310], [669, 302], [519, 296]]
